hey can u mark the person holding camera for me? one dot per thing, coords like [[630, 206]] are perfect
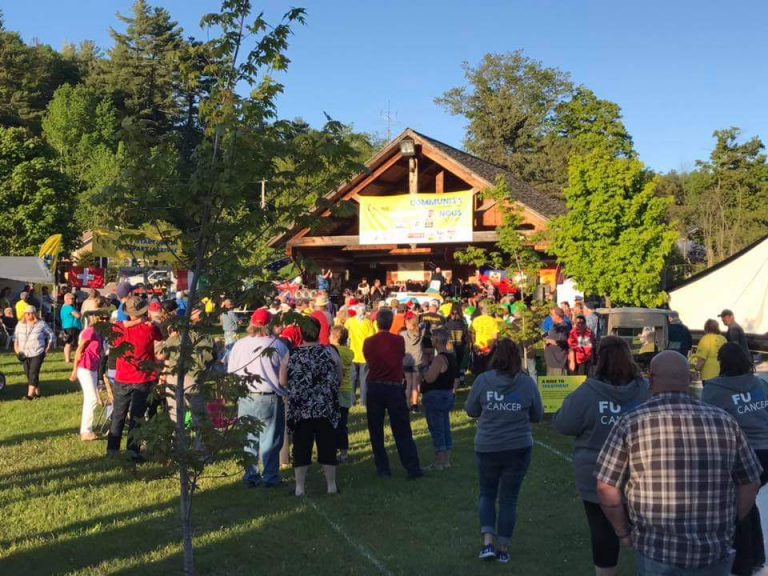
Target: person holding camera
[[33, 339]]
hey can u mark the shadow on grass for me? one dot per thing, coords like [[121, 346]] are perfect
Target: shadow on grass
[[122, 535], [425, 527], [49, 386], [17, 439]]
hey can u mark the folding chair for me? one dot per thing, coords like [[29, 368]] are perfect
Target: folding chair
[[104, 419]]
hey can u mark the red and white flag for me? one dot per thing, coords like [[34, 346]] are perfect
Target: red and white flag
[[183, 279], [86, 277]]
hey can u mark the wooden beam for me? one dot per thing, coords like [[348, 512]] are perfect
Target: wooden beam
[[407, 251], [353, 241], [457, 169], [370, 178], [370, 248], [413, 175], [325, 241], [440, 182]]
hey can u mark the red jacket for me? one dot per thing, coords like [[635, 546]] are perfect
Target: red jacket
[[582, 344], [139, 341]]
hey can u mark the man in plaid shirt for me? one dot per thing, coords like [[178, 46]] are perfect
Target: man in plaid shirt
[[684, 471]]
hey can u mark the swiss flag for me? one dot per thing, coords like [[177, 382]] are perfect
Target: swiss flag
[[86, 277], [184, 279]]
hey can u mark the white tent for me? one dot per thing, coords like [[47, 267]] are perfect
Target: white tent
[[738, 283], [24, 269]]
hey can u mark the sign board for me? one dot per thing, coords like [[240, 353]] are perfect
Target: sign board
[[416, 218], [147, 244], [554, 389]]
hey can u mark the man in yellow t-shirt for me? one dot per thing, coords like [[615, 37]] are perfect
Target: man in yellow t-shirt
[[21, 305], [359, 328], [484, 331]]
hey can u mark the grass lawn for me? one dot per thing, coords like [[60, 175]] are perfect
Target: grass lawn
[[66, 509]]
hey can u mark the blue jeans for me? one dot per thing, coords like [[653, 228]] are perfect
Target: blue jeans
[[501, 475], [648, 567], [359, 378], [437, 410], [270, 411]]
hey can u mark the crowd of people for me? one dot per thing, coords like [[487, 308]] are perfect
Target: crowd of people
[[673, 477]]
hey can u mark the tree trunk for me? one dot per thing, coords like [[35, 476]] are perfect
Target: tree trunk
[[186, 521], [186, 485]]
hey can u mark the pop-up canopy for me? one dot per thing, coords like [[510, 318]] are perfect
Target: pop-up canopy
[[738, 283], [25, 269]]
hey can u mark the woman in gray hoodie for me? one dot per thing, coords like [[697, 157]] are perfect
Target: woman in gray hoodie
[[505, 401], [589, 413], [745, 397]]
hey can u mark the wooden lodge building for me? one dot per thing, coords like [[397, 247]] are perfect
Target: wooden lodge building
[[413, 163]]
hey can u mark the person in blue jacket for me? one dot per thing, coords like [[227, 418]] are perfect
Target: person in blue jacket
[[744, 396], [589, 414], [505, 401]]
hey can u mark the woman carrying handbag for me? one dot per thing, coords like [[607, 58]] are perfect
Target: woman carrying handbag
[[33, 339]]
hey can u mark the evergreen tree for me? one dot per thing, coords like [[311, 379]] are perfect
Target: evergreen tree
[[29, 75], [141, 71], [731, 204]]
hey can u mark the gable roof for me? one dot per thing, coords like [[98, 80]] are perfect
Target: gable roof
[[482, 171], [524, 193]]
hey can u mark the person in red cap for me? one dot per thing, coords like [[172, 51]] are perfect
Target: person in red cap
[[251, 359]]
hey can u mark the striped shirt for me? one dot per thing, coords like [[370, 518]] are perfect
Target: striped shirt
[[678, 462], [33, 339]]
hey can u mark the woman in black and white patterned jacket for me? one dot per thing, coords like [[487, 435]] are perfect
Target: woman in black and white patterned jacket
[[312, 374]]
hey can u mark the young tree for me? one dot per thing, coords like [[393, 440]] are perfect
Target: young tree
[[212, 195], [616, 237], [515, 254]]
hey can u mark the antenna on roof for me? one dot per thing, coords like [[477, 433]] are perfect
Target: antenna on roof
[[390, 119]]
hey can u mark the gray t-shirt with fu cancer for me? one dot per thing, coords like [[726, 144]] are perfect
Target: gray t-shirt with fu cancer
[[505, 406]]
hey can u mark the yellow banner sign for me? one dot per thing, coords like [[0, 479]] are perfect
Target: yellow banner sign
[[554, 389], [416, 218], [147, 244]]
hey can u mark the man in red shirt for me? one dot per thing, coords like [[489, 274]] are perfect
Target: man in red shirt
[[384, 353], [581, 342], [135, 375]]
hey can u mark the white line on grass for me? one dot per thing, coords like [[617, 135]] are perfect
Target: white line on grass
[[554, 451], [359, 547]]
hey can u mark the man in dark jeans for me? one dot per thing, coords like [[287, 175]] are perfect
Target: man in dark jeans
[[133, 383], [384, 355]]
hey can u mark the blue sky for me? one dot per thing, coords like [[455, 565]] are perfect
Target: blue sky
[[678, 68]]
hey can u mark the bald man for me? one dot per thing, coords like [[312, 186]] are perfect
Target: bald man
[[684, 472]]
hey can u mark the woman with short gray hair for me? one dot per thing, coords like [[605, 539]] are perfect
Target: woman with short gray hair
[[33, 339]]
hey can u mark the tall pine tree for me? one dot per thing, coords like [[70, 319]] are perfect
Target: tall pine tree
[[141, 72]]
